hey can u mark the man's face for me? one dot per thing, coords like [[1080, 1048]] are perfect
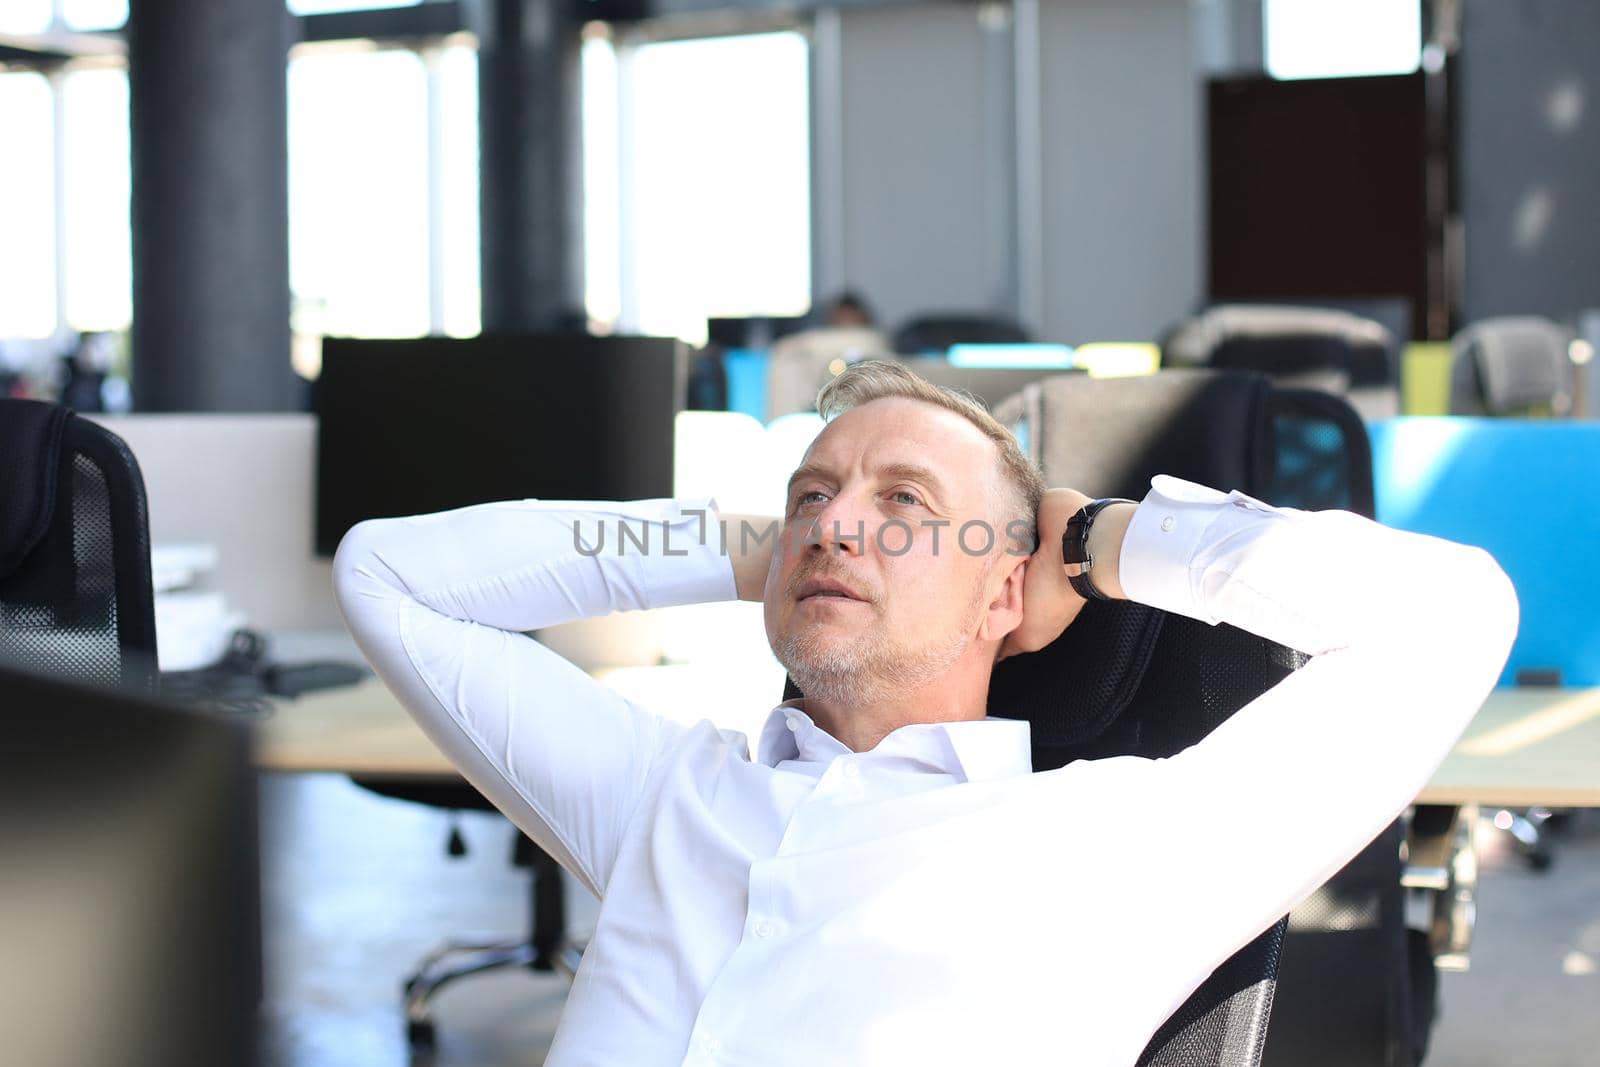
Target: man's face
[[876, 508]]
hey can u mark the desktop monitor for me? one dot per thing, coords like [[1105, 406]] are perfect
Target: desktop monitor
[[757, 331], [129, 885], [407, 427]]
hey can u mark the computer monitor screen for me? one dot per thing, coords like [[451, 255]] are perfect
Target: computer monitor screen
[[129, 884], [417, 426], [757, 331]]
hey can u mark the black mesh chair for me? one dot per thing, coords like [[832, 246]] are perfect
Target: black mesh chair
[[545, 947], [1345, 992], [75, 586], [935, 334]]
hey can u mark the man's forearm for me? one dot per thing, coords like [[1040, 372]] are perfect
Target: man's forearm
[[749, 540]]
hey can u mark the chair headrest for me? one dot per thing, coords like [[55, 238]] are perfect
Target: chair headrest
[[1110, 436], [1193, 341], [30, 456]]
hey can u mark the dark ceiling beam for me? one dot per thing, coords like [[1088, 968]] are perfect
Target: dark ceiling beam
[[642, 10], [46, 50], [418, 22]]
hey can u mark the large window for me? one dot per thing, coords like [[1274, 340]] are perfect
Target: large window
[[27, 207], [706, 152], [95, 192], [383, 203], [94, 14], [1342, 38]]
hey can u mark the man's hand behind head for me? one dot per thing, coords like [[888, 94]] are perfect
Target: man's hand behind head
[[1049, 603]]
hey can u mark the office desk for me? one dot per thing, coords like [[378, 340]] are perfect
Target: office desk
[[1527, 747], [363, 730]]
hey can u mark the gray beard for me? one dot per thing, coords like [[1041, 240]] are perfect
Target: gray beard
[[871, 668]]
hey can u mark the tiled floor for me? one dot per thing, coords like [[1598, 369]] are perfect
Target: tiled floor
[[358, 889]]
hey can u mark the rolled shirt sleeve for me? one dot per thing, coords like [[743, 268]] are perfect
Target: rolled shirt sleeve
[[440, 605], [1407, 634]]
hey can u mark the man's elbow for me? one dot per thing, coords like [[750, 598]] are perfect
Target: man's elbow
[[1494, 599], [360, 573]]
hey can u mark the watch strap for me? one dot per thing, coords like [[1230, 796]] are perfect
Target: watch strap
[[1075, 545]]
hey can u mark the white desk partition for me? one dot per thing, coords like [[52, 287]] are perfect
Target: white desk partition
[[244, 484]]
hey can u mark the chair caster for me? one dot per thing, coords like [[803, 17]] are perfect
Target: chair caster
[[420, 1034]]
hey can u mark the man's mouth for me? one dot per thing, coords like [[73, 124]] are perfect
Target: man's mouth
[[819, 588]]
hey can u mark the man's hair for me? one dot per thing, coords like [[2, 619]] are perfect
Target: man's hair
[[871, 380]]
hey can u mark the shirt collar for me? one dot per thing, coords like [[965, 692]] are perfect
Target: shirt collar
[[973, 749]]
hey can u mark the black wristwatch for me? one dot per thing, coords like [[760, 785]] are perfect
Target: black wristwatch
[[1075, 545]]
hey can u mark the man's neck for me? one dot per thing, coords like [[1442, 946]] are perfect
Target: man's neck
[[860, 726]]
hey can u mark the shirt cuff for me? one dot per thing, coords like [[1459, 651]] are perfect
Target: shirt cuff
[[1164, 549]]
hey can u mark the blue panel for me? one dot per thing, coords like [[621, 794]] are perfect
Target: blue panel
[[1528, 491], [746, 369]]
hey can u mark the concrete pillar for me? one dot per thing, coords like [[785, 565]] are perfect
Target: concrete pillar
[[531, 207], [207, 87]]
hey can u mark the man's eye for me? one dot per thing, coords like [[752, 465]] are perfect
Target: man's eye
[[805, 497], [910, 497]]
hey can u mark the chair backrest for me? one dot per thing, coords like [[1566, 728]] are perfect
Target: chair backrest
[[1322, 348], [1127, 679], [75, 585], [1511, 366], [1162, 682]]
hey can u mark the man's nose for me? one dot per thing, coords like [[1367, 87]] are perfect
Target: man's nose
[[843, 526]]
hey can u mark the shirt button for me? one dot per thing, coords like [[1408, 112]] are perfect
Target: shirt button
[[793, 723], [852, 771], [763, 928], [1168, 523]]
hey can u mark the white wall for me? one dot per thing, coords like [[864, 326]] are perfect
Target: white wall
[[925, 127], [1123, 177], [245, 484], [921, 149]]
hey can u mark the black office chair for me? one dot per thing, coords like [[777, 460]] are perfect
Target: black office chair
[[1299, 347], [936, 333], [75, 586], [546, 947], [1171, 679]]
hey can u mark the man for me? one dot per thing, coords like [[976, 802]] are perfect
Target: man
[[884, 880]]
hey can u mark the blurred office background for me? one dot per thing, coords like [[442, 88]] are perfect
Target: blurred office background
[[194, 194], [213, 186]]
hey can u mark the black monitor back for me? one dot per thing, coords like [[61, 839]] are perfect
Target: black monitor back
[[129, 885], [408, 427]]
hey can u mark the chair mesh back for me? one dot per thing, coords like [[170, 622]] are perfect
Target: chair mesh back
[[1225, 1021], [80, 603], [1126, 679], [1322, 454]]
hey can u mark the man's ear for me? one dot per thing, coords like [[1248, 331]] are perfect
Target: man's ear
[[1004, 612]]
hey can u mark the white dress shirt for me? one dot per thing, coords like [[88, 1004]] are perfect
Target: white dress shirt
[[933, 900]]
